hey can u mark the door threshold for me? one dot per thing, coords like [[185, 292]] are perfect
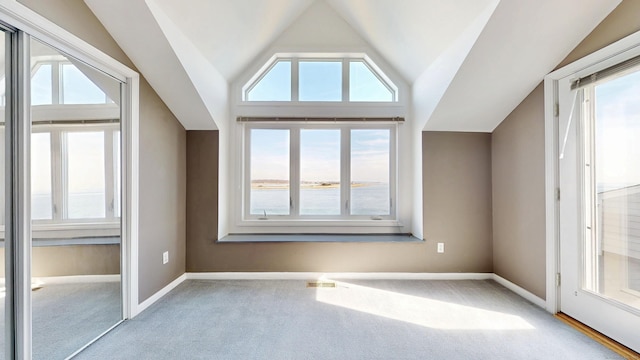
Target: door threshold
[[599, 337]]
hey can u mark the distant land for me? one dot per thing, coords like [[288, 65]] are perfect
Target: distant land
[[272, 184]]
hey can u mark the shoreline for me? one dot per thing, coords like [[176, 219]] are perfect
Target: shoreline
[[313, 186]]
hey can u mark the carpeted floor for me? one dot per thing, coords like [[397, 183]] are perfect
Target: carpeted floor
[[68, 316], [355, 320]]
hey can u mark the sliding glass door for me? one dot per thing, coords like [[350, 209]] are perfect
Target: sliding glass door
[[75, 198]]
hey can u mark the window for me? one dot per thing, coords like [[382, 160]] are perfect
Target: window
[[61, 82], [319, 171], [323, 80], [75, 173], [275, 85]]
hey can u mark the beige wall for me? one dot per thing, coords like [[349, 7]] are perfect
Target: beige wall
[[459, 215], [72, 260], [517, 151], [518, 167], [456, 192], [162, 156]]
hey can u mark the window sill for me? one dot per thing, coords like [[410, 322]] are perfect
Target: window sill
[[323, 223], [342, 238]]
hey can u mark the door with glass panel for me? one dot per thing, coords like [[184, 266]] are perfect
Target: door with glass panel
[[600, 202]]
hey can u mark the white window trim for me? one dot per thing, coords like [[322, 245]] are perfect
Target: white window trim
[[403, 148], [59, 190], [617, 52], [345, 170], [295, 91]]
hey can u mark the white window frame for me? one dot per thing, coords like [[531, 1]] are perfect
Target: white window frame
[[294, 170], [57, 81], [295, 68], [109, 224]]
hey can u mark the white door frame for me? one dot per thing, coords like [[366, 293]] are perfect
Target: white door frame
[[621, 50], [31, 23]]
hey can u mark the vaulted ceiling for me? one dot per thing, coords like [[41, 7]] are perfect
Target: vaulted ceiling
[[469, 62]]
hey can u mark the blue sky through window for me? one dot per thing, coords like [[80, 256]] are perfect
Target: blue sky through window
[[364, 85], [275, 85], [320, 81], [617, 132]]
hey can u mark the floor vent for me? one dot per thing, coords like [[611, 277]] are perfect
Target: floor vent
[[321, 284]]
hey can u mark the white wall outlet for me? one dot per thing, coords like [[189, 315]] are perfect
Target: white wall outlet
[[440, 248], [165, 257]]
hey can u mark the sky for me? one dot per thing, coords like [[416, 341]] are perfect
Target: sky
[[618, 131], [320, 155], [320, 148], [320, 81]]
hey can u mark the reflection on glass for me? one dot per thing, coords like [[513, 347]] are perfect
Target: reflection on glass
[[75, 250], [116, 164], [85, 175], [4, 256], [320, 172], [78, 89], [320, 80], [370, 191], [275, 85], [42, 85], [612, 246], [41, 195], [269, 172], [364, 85]]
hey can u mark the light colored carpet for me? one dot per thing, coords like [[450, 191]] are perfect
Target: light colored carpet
[[68, 316], [356, 320]]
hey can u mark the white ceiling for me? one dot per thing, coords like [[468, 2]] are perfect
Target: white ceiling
[[470, 62]]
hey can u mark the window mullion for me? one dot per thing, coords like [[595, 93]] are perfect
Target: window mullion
[[295, 84], [56, 84], [345, 171], [109, 175], [58, 169], [345, 80], [294, 171]]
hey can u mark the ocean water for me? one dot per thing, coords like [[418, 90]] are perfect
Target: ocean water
[[79, 206], [365, 200]]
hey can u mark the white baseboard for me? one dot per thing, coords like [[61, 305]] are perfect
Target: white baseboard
[[520, 291], [76, 279], [157, 296], [345, 276], [350, 276]]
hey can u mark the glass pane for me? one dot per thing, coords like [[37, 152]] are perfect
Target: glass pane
[[41, 195], [4, 255], [78, 89], [118, 174], [75, 263], [275, 85], [612, 251], [364, 85], [85, 175], [41, 85], [269, 172], [370, 174], [320, 81], [320, 172]]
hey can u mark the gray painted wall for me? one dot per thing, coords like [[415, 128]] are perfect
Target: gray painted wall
[[162, 156], [458, 199], [518, 167]]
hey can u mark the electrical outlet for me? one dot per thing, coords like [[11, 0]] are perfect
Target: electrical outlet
[[440, 248], [165, 257]]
